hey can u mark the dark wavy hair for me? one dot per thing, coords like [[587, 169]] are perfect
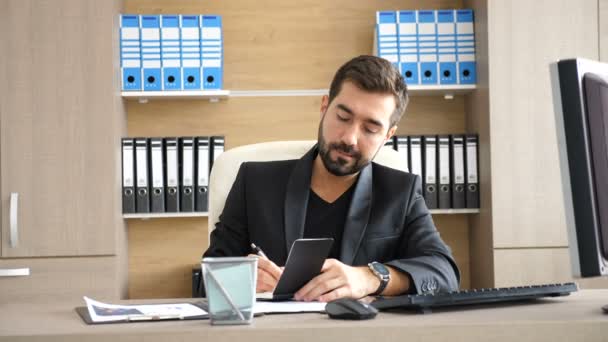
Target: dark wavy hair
[[373, 74]]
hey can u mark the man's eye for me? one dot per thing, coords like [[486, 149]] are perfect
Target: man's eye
[[342, 118], [371, 130]]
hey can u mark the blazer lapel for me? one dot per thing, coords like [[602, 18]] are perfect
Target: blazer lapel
[[296, 198], [357, 217]]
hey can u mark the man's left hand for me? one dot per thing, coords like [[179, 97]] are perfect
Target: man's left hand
[[338, 280]]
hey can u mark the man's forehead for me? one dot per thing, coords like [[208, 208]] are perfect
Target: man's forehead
[[372, 105]]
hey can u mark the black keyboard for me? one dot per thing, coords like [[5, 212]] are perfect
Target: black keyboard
[[426, 302]]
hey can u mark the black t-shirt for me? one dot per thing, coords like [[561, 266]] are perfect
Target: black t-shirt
[[326, 220]]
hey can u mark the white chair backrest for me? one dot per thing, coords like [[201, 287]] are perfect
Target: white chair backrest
[[226, 166]]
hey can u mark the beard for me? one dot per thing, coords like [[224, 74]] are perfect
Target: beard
[[341, 166]]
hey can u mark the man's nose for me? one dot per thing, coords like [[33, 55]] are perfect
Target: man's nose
[[350, 136]]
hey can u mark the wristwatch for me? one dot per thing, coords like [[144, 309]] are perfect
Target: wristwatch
[[382, 273]]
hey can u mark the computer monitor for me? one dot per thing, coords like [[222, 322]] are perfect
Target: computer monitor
[[580, 95]]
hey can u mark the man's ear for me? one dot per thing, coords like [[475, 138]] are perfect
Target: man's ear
[[324, 104], [391, 132]]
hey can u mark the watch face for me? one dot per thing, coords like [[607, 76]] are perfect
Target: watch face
[[380, 268]]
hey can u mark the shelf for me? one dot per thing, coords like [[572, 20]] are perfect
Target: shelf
[[279, 93], [144, 96], [145, 216], [454, 211], [447, 91]]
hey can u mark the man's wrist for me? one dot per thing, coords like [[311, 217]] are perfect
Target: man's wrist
[[370, 280], [382, 273]]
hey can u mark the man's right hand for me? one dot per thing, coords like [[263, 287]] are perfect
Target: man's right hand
[[268, 274]]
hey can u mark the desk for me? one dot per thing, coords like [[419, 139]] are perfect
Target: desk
[[575, 318]]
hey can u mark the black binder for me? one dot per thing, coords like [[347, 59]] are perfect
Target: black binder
[[157, 175], [391, 143], [416, 156], [202, 174], [444, 196], [457, 173], [142, 200], [171, 175], [403, 147], [186, 148], [217, 148], [128, 176], [472, 189], [197, 282], [430, 171]]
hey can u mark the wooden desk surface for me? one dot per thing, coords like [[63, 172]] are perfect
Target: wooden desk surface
[[575, 318]]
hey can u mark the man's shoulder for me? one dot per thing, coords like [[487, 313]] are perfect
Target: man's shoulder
[[269, 168], [393, 177]]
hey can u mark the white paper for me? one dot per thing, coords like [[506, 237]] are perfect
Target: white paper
[[288, 307], [103, 312]]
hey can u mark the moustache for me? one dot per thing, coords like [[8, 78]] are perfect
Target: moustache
[[342, 147]]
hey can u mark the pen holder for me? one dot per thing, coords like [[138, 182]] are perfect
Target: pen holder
[[230, 285]]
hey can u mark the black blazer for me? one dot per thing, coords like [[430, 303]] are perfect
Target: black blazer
[[387, 221]]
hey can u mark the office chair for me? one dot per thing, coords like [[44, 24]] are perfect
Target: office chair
[[227, 166]]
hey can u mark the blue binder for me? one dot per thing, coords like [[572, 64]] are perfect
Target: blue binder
[[191, 52], [150, 52], [170, 53], [130, 52], [386, 36], [427, 46], [446, 46], [465, 47], [407, 31], [211, 51]]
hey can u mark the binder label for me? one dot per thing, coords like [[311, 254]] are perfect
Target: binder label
[[212, 33], [444, 161], [402, 149], [458, 161], [188, 165], [142, 165], [416, 156], [172, 165], [157, 165], [127, 166], [472, 161], [203, 166]]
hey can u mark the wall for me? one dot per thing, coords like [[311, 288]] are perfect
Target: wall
[[528, 222]]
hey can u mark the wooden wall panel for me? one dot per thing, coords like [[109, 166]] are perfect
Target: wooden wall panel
[[527, 201], [603, 26], [269, 44], [62, 280], [162, 253], [477, 108], [454, 230], [539, 266], [517, 267]]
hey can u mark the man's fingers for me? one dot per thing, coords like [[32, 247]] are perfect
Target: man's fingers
[[320, 284], [323, 288], [265, 282], [270, 267], [335, 294]]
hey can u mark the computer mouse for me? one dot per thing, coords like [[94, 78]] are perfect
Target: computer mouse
[[349, 308]]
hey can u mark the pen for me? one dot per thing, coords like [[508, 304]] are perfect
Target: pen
[[258, 250]]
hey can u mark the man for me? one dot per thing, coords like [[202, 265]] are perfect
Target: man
[[385, 241]]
